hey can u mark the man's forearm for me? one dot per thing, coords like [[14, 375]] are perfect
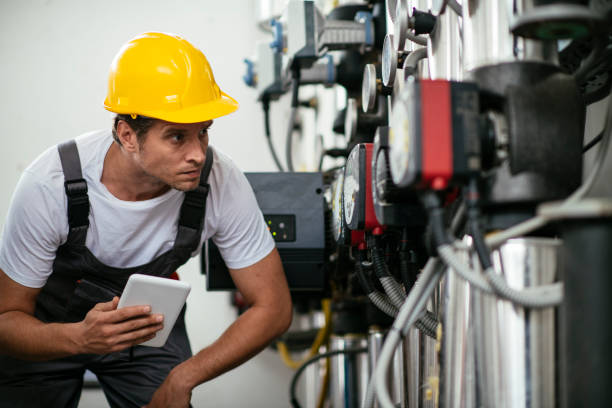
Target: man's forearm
[[24, 336], [246, 337]]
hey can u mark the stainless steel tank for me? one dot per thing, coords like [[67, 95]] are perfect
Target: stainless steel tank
[[348, 372], [515, 347], [376, 336], [487, 39], [458, 377]]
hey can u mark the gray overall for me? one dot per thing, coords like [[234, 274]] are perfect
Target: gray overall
[[79, 281]]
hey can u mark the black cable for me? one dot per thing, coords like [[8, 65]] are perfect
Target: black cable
[[296, 376], [473, 213], [431, 202], [265, 103], [295, 86], [366, 285], [593, 142], [582, 72]]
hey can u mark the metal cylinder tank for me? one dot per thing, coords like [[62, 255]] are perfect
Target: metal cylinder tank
[[487, 39], [376, 336], [516, 347], [348, 372]]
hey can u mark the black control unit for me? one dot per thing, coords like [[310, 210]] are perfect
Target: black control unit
[[292, 204]]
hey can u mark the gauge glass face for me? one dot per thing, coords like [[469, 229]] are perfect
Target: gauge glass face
[[350, 120], [390, 6], [382, 176], [337, 221], [389, 61], [368, 88], [401, 24], [351, 185], [400, 141]]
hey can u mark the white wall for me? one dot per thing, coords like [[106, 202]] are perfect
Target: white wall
[[54, 58]]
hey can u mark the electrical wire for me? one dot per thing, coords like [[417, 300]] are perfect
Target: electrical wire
[[266, 108], [320, 339], [592, 143], [295, 86], [298, 373]]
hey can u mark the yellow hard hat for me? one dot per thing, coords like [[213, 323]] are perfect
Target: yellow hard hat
[[163, 76]]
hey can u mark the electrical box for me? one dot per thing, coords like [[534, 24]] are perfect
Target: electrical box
[[293, 208]]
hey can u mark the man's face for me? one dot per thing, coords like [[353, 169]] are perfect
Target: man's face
[[174, 153]]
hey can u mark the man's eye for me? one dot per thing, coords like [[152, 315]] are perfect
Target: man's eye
[[178, 137], [204, 132]]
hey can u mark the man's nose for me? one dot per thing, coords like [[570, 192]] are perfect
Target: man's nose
[[196, 151]]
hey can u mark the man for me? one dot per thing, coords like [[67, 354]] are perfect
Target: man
[[86, 215]]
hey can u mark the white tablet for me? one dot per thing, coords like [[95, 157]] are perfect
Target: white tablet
[[165, 296]]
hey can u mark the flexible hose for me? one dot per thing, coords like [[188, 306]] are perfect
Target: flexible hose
[[300, 370], [395, 293], [410, 310], [379, 300], [534, 297], [382, 302], [320, 339]]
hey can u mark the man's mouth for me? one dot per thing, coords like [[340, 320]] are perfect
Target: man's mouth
[[192, 173]]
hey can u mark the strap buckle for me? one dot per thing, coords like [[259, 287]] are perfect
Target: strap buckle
[[76, 188]]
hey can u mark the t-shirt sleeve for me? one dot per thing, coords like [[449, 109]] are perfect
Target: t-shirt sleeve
[[31, 235], [242, 235]]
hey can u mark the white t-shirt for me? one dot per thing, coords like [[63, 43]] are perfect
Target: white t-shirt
[[123, 234]]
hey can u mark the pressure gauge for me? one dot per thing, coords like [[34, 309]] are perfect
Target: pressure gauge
[[391, 60], [338, 225], [358, 205], [404, 125], [350, 119], [390, 6], [402, 21], [393, 206], [354, 186], [383, 189], [368, 88]]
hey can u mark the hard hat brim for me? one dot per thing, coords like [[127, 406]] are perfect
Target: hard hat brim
[[193, 114]]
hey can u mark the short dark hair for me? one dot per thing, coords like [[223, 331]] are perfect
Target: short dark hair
[[139, 124]]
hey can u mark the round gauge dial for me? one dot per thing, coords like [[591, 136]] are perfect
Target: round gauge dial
[[337, 216], [400, 28], [402, 160], [389, 61], [390, 6], [350, 119], [368, 88], [382, 175], [351, 187]]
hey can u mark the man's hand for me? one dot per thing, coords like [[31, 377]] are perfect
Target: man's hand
[[173, 393], [106, 329]]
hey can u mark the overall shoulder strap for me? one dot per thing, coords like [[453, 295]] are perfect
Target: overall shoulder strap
[[193, 210], [76, 192]]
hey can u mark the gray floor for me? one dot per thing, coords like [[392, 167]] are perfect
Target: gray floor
[[93, 398]]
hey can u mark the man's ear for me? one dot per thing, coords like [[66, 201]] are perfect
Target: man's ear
[[127, 136]]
